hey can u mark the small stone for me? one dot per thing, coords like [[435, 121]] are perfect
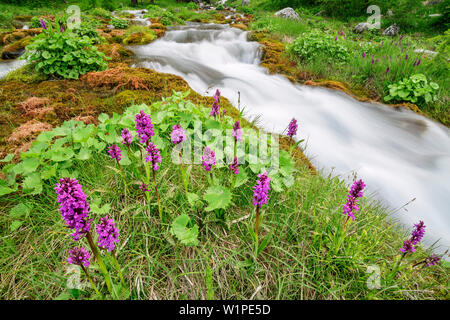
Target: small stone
[[392, 30], [287, 13], [361, 27]]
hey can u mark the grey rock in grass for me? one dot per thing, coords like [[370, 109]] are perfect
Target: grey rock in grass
[[392, 30], [433, 53], [361, 27], [110, 27], [287, 13], [245, 2]]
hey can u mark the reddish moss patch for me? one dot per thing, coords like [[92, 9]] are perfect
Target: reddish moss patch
[[28, 131]]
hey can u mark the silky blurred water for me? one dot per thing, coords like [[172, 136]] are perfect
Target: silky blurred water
[[10, 65]]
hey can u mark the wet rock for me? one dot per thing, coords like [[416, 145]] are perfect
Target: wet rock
[[7, 55], [16, 49], [287, 13], [392, 30], [361, 27]]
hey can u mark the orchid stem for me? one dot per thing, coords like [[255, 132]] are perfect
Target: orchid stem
[[90, 280]]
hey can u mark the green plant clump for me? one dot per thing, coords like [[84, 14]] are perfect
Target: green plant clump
[[120, 23], [415, 89], [64, 54], [310, 46]]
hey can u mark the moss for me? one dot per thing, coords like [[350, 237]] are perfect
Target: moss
[[140, 38], [115, 51], [157, 26], [23, 18], [17, 35], [239, 26]]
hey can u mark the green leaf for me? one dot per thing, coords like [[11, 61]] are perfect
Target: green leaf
[[8, 158], [30, 165], [187, 236], [84, 154], [193, 199], [125, 161], [241, 178], [276, 183], [15, 225], [286, 163], [212, 124], [218, 197], [103, 117], [264, 243], [288, 181], [95, 208], [32, 184], [5, 190], [61, 154], [82, 134], [49, 172], [19, 210]]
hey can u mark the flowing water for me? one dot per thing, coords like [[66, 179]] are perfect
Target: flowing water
[[400, 155], [10, 65], [138, 17]]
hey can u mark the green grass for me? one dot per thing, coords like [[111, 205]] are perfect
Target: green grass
[[301, 261]]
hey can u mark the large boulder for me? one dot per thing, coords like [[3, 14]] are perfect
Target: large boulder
[[361, 27], [287, 13], [392, 30]]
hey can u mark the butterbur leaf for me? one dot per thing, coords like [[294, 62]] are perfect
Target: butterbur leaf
[[187, 236], [218, 197]]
